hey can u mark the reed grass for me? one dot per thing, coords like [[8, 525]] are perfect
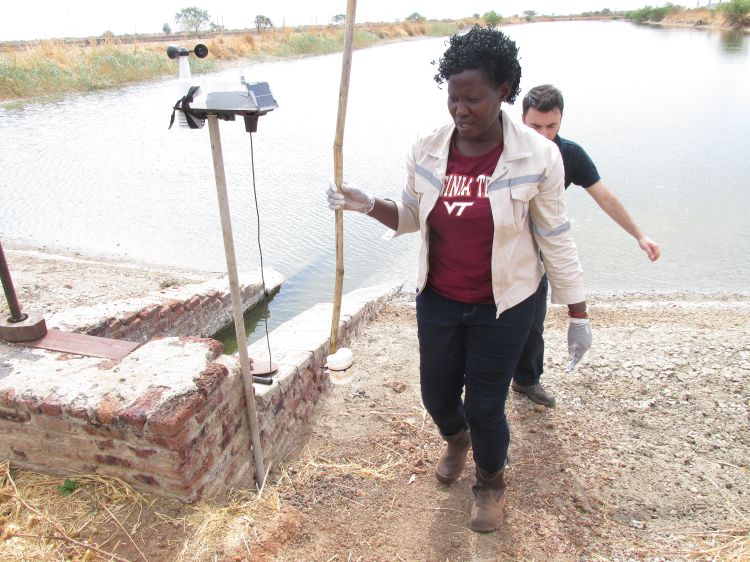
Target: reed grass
[[231, 47], [387, 31], [309, 44], [693, 16], [413, 29], [442, 29], [45, 68], [50, 67]]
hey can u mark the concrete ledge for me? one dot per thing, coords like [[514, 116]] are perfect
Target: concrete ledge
[[171, 417], [199, 309]]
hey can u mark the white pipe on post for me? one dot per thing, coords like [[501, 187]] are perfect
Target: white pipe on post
[[234, 286]]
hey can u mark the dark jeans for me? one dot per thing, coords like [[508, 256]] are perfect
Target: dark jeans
[[531, 364], [463, 347]]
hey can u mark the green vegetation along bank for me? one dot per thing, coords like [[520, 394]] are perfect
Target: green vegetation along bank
[[53, 67], [731, 14]]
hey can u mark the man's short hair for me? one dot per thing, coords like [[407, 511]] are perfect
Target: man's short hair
[[543, 98]]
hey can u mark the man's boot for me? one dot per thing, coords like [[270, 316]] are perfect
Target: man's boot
[[488, 512], [453, 459], [536, 393]]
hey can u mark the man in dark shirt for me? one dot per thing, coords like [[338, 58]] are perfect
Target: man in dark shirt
[[543, 111]]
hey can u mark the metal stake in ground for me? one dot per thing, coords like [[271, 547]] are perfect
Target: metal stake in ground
[[338, 170], [19, 327], [234, 287]]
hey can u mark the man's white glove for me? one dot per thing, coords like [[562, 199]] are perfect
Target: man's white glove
[[579, 340], [349, 199]]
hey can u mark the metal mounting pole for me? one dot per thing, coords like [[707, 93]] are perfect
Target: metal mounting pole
[[19, 327], [10, 292], [234, 286]]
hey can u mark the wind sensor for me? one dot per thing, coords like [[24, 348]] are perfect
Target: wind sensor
[[225, 100]]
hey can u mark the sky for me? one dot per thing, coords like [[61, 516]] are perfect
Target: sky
[[77, 18]]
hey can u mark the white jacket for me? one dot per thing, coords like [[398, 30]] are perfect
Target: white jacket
[[527, 198]]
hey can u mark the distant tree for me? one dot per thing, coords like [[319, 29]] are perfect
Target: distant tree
[[492, 18], [192, 19], [338, 19], [262, 22], [737, 12], [640, 15], [476, 16], [529, 14], [166, 29], [416, 17]]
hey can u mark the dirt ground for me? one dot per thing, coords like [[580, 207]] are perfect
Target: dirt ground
[[646, 457], [47, 283]]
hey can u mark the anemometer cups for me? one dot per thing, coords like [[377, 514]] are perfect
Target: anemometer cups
[[200, 51]]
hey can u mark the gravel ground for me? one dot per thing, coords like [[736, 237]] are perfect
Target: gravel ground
[[647, 455]]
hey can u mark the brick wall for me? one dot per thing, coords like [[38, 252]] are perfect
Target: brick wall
[[178, 446], [199, 309], [170, 418]]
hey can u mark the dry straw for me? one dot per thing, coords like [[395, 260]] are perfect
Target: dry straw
[[38, 523], [230, 525], [732, 544]]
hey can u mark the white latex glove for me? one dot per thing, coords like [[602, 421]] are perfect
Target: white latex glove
[[579, 340], [352, 199]]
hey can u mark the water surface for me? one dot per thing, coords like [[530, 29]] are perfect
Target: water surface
[[663, 113]]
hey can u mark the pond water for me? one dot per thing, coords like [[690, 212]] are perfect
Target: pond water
[[664, 113]]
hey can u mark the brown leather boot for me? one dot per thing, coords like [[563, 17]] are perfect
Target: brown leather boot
[[453, 459], [536, 393], [488, 512]]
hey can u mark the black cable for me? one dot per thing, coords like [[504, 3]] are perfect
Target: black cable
[[260, 252]]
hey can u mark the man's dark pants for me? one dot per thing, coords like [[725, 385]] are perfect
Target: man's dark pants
[[531, 363]]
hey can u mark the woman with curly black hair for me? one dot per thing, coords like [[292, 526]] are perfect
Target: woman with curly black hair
[[486, 194]]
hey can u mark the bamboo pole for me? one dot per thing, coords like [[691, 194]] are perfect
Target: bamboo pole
[[338, 169], [234, 288]]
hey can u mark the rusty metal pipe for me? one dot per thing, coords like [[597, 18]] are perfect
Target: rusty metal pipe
[[10, 292]]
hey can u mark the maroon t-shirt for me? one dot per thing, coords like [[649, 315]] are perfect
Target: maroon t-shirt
[[461, 229]]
